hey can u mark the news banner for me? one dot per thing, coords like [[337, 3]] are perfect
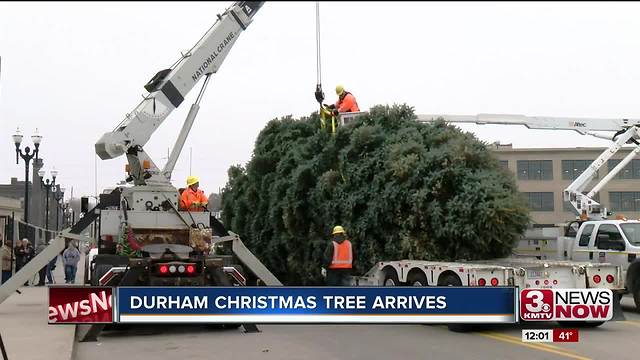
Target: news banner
[[332, 305]]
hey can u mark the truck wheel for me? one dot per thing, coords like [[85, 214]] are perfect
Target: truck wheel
[[417, 278], [460, 328], [390, 277], [231, 326], [453, 280], [581, 324]]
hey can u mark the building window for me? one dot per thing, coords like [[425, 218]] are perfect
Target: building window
[[504, 164], [566, 206], [630, 171], [571, 169], [539, 201], [535, 170], [624, 200]]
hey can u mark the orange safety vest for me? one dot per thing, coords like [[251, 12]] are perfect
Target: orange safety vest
[[347, 104], [189, 196], [342, 255]]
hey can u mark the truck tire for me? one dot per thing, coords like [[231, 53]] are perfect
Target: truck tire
[[453, 280], [390, 277], [231, 326], [581, 324], [636, 293], [417, 278]]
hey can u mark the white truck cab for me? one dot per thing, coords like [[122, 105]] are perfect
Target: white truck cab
[[608, 241]]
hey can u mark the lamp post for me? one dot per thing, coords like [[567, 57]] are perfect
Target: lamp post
[[59, 195], [47, 185], [27, 156]]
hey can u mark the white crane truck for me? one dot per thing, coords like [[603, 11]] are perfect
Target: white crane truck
[[167, 246]]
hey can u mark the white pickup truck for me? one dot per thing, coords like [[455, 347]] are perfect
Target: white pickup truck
[[615, 242]]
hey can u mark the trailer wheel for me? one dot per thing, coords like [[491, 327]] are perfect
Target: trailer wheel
[[231, 326], [453, 280], [390, 277], [417, 278], [581, 324]]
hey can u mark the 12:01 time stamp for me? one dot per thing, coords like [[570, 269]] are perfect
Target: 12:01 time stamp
[[550, 335]]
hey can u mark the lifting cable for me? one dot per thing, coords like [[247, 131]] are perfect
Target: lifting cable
[[324, 112], [319, 94]]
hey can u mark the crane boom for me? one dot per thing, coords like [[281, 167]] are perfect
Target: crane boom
[[581, 125], [168, 89], [626, 131]]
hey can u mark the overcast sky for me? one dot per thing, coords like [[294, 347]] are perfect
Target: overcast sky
[[73, 70]]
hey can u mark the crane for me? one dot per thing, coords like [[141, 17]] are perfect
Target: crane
[[167, 90], [625, 131]]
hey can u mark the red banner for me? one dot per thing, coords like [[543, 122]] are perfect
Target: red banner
[[80, 305]]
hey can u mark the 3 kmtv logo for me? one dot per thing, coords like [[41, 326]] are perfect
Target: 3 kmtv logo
[[74, 305], [566, 304]]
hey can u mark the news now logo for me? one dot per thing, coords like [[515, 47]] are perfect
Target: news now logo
[[566, 304], [73, 305]]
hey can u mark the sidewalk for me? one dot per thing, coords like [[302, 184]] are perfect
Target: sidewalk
[[23, 323]]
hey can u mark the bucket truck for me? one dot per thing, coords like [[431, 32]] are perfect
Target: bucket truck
[[591, 237]]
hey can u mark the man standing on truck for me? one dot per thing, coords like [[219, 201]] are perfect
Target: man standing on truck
[[338, 259], [346, 101], [192, 198]]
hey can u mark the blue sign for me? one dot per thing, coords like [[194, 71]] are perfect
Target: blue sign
[[317, 304]]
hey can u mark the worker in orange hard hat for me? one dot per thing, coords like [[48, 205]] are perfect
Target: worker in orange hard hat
[[192, 198], [338, 258], [346, 101]]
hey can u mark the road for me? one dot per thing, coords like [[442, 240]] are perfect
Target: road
[[281, 342]]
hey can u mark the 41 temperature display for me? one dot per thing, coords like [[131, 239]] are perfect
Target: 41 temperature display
[[550, 335]]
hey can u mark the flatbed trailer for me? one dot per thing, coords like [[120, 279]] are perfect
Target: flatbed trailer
[[523, 273]]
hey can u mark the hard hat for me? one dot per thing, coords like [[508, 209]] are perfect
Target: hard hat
[[337, 230], [192, 180], [339, 90]]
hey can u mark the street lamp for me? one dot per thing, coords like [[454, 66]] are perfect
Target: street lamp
[[27, 156], [59, 195], [47, 185]]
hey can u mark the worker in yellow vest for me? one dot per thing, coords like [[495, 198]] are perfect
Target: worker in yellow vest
[[338, 259]]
